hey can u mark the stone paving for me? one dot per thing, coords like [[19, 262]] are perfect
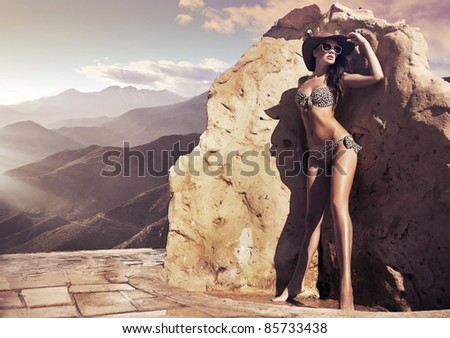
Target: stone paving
[[130, 283]]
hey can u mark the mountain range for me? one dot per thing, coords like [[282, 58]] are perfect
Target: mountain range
[[26, 141], [72, 183], [80, 122], [146, 124], [72, 104], [138, 222], [79, 183], [73, 207]]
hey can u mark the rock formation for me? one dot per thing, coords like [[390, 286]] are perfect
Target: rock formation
[[236, 213]]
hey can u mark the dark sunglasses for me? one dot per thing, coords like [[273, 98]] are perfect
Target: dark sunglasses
[[326, 47]]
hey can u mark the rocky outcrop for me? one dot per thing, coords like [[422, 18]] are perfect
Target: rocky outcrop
[[236, 213]]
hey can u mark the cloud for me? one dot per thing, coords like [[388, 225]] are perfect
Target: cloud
[[184, 78], [430, 16], [131, 76], [256, 19], [440, 66], [191, 4], [260, 17], [217, 23], [432, 19], [183, 18]]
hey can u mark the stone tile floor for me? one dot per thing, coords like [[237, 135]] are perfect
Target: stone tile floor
[[130, 283]]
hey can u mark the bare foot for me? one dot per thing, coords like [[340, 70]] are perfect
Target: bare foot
[[283, 297], [346, 299]]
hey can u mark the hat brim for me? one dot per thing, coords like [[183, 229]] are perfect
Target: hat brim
[[312, 42]]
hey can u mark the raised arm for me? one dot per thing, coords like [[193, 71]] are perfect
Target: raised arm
[[376, 72]]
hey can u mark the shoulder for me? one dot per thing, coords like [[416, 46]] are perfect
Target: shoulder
[[302, 80]]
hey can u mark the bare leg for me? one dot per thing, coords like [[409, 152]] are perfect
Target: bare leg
[[317, 190], [341, 184]]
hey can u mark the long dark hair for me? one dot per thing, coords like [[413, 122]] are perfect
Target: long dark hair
[[335, 77]]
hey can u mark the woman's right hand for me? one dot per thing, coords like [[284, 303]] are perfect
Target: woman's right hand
[[357, 39]]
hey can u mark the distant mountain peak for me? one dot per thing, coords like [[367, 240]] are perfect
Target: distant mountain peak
[[24, 125], [130, 88], [70, 91], [111, 88]]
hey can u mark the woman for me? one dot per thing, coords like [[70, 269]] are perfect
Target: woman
[[332, 151]]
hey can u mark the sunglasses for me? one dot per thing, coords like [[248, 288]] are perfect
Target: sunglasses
[[326, 47]]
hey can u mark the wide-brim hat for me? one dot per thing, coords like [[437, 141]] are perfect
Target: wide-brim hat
[[312, 42]]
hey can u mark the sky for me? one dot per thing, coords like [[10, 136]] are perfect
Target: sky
[[49, 46]]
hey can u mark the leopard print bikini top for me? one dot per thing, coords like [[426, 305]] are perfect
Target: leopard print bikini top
[[320, 97]]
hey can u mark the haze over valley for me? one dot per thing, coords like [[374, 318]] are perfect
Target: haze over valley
[[54, 195]]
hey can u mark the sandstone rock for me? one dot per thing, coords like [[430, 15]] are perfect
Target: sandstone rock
[[236, 213]]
